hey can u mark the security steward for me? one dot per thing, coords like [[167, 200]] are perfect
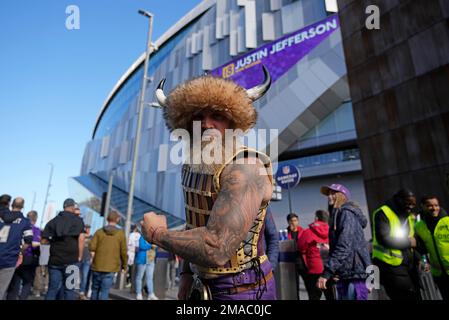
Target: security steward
[[393, 246]]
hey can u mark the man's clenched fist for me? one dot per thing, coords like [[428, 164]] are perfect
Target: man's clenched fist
[[152, 222]]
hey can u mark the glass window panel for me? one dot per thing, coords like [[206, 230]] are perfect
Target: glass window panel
[[345, 118]]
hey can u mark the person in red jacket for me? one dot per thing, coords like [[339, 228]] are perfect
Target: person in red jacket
[[294, 231], [312, 245]]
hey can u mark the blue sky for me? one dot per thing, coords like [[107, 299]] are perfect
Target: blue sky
[[53, 82]]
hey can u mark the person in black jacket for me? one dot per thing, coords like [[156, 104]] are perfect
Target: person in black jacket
[[348, 254], [399, 278], [65, 235]]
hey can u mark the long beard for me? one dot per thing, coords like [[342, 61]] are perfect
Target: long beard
[[213, 155]]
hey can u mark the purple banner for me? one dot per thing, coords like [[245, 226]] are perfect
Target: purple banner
[[277, 56]]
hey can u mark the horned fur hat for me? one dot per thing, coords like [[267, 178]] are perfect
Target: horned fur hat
[[211, 92]]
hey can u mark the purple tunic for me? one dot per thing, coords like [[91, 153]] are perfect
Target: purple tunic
[[263, 292]]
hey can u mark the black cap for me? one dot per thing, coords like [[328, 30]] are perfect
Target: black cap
[[69, 203], [5, 199]]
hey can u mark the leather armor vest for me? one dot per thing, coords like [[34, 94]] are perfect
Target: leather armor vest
[[200, 192]]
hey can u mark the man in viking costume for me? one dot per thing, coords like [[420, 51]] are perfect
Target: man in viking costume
[[225, 201]]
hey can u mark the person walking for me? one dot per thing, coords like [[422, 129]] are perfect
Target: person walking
[[65, 234], [14, 228], [393, 246], [41, 281], [22, 281], [313, 241], [133, 244], [86, 262], [145, 259], [348, 249], [108, 247]]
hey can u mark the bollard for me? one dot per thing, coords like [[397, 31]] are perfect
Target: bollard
[[285, 273], [160, 274]]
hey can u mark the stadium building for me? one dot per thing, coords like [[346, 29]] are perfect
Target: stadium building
[[308, 105]]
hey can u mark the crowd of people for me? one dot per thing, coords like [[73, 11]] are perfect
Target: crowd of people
[[333, 255], [65, 261]]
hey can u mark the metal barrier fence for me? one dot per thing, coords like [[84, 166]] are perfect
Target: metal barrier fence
[[429, 290], [285, 273]]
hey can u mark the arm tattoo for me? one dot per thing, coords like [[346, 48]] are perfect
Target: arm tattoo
[[232, 216]]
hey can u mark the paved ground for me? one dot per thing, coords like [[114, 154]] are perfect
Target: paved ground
[[171, 294], [116, 294], [126, 294]]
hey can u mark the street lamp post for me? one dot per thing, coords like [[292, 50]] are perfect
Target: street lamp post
[[108, 198], [139, 125], [34, 200], [46, 196]]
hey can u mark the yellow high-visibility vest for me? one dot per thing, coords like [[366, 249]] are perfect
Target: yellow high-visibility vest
[[437, 244], [388, 255]]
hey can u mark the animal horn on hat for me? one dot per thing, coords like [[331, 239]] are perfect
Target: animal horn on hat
[[258, 91], [253, 93], [160, 95]]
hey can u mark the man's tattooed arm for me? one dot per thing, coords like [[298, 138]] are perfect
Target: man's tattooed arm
[[242, 191]]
